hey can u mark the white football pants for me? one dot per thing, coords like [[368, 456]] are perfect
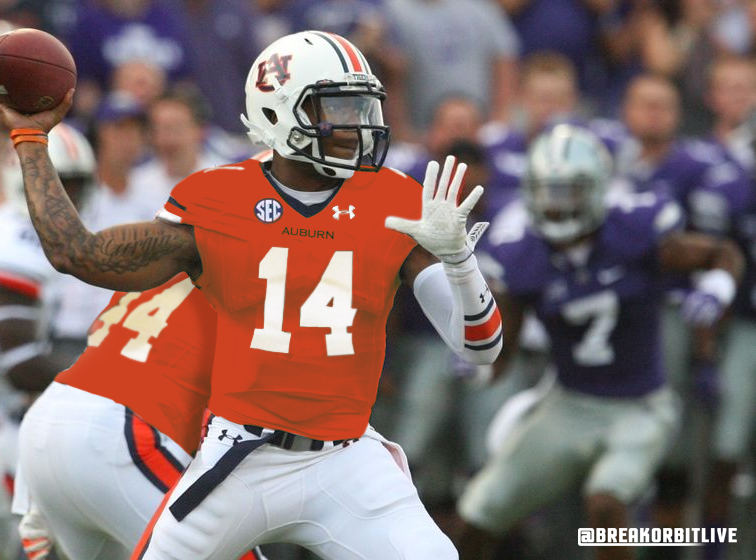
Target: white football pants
[[96, 472], [351, 502]]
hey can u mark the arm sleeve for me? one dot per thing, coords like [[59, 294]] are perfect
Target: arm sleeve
[[459, 304]]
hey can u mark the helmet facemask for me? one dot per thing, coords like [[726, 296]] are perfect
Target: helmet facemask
[[564, 210], [340, 128], [566, 182]]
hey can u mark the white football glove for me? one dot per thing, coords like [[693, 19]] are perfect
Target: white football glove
[[36, 537], [441, 229]]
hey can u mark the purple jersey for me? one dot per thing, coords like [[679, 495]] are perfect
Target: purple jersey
[[507, 149], [602, 315], [697, 174]]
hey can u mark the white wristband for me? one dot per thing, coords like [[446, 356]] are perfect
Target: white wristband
[[719, 283], [461, 271]]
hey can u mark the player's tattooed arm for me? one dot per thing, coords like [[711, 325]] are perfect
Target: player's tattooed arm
[[131, 257]]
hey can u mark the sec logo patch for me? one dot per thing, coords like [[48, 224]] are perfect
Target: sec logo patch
[[268, 210]]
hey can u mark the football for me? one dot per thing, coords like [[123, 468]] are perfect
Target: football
[[36, 70]]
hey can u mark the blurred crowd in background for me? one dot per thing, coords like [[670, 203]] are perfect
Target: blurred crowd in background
[[669, 85]]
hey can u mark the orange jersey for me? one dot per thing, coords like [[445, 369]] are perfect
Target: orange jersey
[[153, 352], [302, 295]]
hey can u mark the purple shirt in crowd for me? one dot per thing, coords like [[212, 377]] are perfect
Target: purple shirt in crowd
[[101, 40]]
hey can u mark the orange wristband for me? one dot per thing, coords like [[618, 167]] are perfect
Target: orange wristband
[[26, 132], [39, 138]]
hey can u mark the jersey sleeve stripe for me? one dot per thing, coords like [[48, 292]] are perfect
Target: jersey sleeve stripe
[[485, 330], [167, 216], [487, 345], [20, 285], [149, 455], [175, 202], [172, 211]]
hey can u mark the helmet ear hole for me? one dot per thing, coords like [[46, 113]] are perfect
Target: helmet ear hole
[[270, 114]]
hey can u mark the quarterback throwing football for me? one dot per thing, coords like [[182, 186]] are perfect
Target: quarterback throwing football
[[301, 257]]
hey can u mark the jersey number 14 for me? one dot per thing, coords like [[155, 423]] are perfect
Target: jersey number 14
[[329, 305]]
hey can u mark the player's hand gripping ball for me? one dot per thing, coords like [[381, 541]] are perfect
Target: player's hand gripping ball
[[36, 70]]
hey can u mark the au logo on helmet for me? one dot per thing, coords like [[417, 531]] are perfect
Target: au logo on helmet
[[276, 64]]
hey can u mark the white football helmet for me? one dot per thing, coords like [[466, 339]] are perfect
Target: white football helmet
[[71, 153], [565, 183], [327, 75]]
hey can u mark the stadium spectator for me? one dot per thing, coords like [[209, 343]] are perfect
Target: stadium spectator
[[548, 93], [144, 80], [709, 186], [176, 130], [108, 33], [732, 98], [653, 158], [120, 144], [569, 27], [675, 39], [222, 40], [467, 47], [53, 16]]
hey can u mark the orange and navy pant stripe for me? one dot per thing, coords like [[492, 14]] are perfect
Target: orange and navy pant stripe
[[152, 459]]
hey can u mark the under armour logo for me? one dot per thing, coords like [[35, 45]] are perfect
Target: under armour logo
[[337, 212], [224, 434], [484, 294]]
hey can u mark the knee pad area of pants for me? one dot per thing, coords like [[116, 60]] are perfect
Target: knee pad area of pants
[[422, 543]]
